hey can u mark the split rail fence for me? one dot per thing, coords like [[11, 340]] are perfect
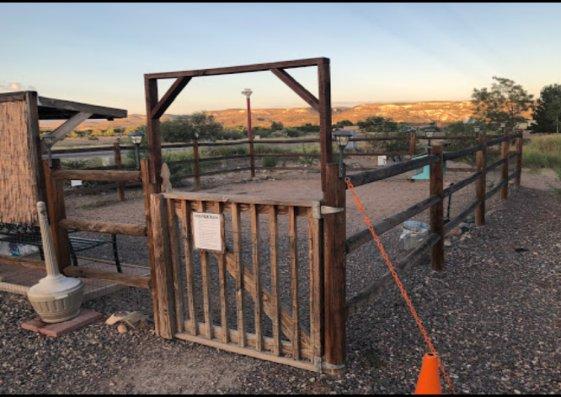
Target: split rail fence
[[435, 202]]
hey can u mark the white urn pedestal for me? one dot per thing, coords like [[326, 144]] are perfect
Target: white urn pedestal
[[55, 298]]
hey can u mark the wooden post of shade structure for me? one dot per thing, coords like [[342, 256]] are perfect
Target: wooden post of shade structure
[[504, 170], [481, 183], [412, 143], [196, 163], [519, 146], [334, 272], [437, 210], [119, 165], [56, 210]]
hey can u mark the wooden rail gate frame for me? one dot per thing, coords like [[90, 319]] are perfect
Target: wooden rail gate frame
[[330, 347], [182, 289]]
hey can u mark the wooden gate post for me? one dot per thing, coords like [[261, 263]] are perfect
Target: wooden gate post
[[334, 273], [504, 170], [481, 183], [437, 210], [162, 278], [519, 146], [119, 164], [412, 143], [196, 163], [56, 210], [148, 188]]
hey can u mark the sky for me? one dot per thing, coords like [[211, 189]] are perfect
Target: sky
[[98, 53]]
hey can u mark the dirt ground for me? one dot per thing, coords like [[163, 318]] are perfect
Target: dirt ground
[[494, 314]]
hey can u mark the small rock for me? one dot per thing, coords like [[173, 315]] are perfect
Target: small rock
[[122, 328]]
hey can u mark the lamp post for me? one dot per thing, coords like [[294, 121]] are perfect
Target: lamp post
[[429, 134], [342, 138], [247, 92], [136, 138]]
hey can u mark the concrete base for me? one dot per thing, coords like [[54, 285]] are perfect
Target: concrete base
[[86, 317]]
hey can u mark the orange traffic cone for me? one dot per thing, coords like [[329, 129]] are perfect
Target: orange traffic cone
[[429, 378]]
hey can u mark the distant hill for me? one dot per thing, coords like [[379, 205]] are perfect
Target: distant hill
[[442, 112]]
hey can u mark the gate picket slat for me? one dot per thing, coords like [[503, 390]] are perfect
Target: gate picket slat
[[236, 237], [205, 281], [316, 293], [219, 209], [185, 221], [174, 251], [292, 236], [273, 245], [256, 275]]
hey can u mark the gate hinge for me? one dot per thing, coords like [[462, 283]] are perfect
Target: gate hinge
[[325, 210], [319, 210]]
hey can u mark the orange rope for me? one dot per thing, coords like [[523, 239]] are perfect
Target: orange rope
[[391, 268]]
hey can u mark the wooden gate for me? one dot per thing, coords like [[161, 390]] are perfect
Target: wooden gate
[[261, 295]]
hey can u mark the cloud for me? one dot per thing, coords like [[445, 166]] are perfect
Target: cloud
[[14, 86]]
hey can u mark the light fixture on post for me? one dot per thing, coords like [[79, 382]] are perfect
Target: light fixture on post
[[429, 134], [136, 138], [342, 137]]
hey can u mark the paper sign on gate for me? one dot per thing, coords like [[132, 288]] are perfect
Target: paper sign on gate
[[207, 231]]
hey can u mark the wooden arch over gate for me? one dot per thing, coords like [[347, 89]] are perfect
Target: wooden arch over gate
[[333, 224]]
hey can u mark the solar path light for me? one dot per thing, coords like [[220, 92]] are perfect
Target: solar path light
[[342, 137], [136, 138]]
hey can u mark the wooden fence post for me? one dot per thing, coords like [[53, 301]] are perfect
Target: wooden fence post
[[481, 183], [334, 273], [148, 189], [519, 146], [437, 210], [412, 143], [504, 170], [57, 212], [163, 275], [196, 163], [119, 164]]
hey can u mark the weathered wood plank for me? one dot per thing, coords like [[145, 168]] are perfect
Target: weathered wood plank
[[293, 242], [175, 261], [257, 304], [298, 88], [236, 238], [273, 246], [258, 67], [164, 270], [185, 222], [365, 177]]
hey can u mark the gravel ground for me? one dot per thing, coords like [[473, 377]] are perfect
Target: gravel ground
[[494, 315]]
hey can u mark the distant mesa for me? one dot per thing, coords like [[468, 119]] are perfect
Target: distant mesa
[[413, 112]]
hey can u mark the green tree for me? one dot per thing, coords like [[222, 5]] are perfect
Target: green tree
[[343, 124], [547, 115], [184, 128], [378, 124], [505, 102], [276, 126]]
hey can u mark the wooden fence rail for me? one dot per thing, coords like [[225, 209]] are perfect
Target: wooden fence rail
[[439, 228]]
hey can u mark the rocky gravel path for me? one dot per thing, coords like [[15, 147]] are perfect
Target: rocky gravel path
[[495, 316]]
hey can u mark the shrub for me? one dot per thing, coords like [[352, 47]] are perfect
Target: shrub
[[269, 162]]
